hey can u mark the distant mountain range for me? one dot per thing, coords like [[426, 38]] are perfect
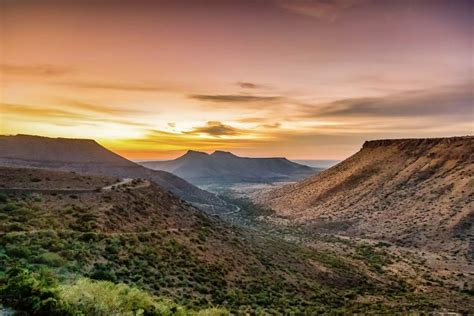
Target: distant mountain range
[[87, 156], [225, 167], [411, 191]]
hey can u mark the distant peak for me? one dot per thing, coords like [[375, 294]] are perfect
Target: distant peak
[[194, 153], [221, 153]]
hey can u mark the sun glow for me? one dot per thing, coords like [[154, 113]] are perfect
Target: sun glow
[[293, 86]]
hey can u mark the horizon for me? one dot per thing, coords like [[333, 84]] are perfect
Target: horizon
[[304, 80], [209, 152]]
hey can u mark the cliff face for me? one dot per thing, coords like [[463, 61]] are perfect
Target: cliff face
[[459, 146], [411, 191]]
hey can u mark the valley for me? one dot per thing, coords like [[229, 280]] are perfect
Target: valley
[[236, 158], [243, 257], [148, 238]]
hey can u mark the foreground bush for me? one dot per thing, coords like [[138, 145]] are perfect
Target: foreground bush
[[36, 294], [40, 294]]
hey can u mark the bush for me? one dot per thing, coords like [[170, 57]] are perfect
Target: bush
[[3, 197], [102, 272], [19, 251], [15, 227], [40, 294], [51, 259], [32, 293], [10, 207], [90, 297], [106, 298]]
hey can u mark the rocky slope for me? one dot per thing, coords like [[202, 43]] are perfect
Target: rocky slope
[[225, 167], [416, 192], [87, 156]]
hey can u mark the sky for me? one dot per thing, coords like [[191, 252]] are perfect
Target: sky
[[299, 78]]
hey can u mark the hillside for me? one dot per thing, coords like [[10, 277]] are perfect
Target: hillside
[[87, 156], [415, 192], [144, 236], [225, 167]]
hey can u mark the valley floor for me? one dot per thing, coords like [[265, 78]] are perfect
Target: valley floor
[[448, 277]]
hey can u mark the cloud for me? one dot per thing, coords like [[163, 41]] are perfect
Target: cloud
[[273, 125], [68, 116], [320, 9], [233, 98], [253, 120], [117, 86], [60, 72], [164, 141], [97, 108], [42, 70], [35, 112], [248, 85], [442, 101], [215, 129]]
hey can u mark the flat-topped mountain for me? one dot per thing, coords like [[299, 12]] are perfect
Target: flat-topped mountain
[[87, 156], [225, 167], [411, 191]]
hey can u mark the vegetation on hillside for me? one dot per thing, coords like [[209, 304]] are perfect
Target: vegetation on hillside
[[146, 239], [41, 294]]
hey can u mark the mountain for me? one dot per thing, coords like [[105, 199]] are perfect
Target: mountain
[[141, 235], [87, 156], [225, 167], [417, 192]]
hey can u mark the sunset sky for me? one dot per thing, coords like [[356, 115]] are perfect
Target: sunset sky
[[301, 79]]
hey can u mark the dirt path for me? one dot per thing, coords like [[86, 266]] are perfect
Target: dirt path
[[236, 210], [39, 231], [123, 182]]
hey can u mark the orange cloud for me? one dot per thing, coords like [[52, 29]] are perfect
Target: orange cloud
[[34, 70]]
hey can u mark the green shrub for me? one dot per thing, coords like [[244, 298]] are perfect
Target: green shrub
[[32, 293], [50, 259], [106, 298], [10, 207], [101, 272], [15, 227], [19, 251], [40, 294], [211, 312], [91, 297]]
